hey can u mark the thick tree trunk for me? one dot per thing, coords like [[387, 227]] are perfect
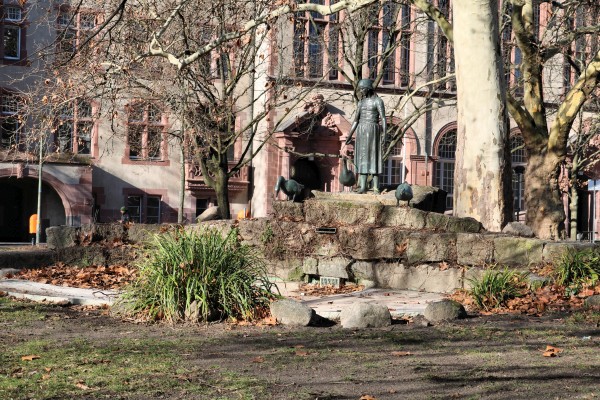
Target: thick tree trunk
[[482, 187], [221, 189], [545, 213]]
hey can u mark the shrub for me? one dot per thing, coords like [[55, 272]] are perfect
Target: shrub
[[495, 288], [201, 275], [576, 268]]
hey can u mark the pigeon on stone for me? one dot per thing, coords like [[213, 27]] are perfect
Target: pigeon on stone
[[403, 192], [290, 187], [347, 177]]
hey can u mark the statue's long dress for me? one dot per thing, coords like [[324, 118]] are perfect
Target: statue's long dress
[[367, 151]]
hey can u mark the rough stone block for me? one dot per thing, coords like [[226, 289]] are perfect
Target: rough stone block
[[517, 229], [431, 247], [365, 315], [444, 310], [334, 267], [362, 243], [324, 213], [13, 260], [309, 266], [509, 250], [438, 222], [61, 237], [224, 226], [255, 232], [474, 249], [426, 277], [592, 302], [429, 198], [362, 270], [290, 312], [403, 217], [326, 246], [553, 251], [96, 232], [288, 211], [465, 224], [471, 275], [288, 268], [141, 233]]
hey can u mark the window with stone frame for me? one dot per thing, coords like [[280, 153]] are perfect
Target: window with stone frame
[[518, 157], [392, 167], [316, 44], [144, 208], [443, 49], [585, 47], [11, 120], [13, 46], [145, 132], [391, 25], [444, 167], [75, 127], [72, 31]]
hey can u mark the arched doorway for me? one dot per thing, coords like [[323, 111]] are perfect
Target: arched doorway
[[19, 201]]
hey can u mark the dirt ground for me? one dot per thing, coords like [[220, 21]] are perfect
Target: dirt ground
[[87, 354]]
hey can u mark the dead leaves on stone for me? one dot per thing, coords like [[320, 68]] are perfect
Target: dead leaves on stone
[[328, 290], [98, 277]]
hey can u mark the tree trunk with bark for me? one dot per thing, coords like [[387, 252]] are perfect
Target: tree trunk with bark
[[545, 214], [482, 186]]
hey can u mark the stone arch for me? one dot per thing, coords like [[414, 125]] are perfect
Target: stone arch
[[20, 203]]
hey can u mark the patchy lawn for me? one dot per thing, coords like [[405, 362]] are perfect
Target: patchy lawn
[[50, 352]]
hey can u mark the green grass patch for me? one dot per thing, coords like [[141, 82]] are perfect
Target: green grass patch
[[496, 287], [201, 275], [578, 268], [120, 369]]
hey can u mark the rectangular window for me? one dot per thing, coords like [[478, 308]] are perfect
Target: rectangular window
[[10, 120], [12, 42], [315, 50], [134, 206], [153, 210], [74, 128], [144, 208], [372, 53], [72, 31], [316, 44], [145, 132]]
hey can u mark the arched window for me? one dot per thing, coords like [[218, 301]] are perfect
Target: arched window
[[518, 158], [444, 169], [392, 167]]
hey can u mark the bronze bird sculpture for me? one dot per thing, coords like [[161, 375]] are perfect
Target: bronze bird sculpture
[[289, 187], [403, 192], [347, 177]]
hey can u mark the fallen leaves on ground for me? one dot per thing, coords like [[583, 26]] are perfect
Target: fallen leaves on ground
[[316, 290], [401, 353], [30, 357], [551, 351], [82, 386], [367, 397], [547, 298], [258, 360], [95, 276]]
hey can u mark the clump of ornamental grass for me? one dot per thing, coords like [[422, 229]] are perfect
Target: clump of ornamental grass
[[200, 276], [578, 268], [496, 287]]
